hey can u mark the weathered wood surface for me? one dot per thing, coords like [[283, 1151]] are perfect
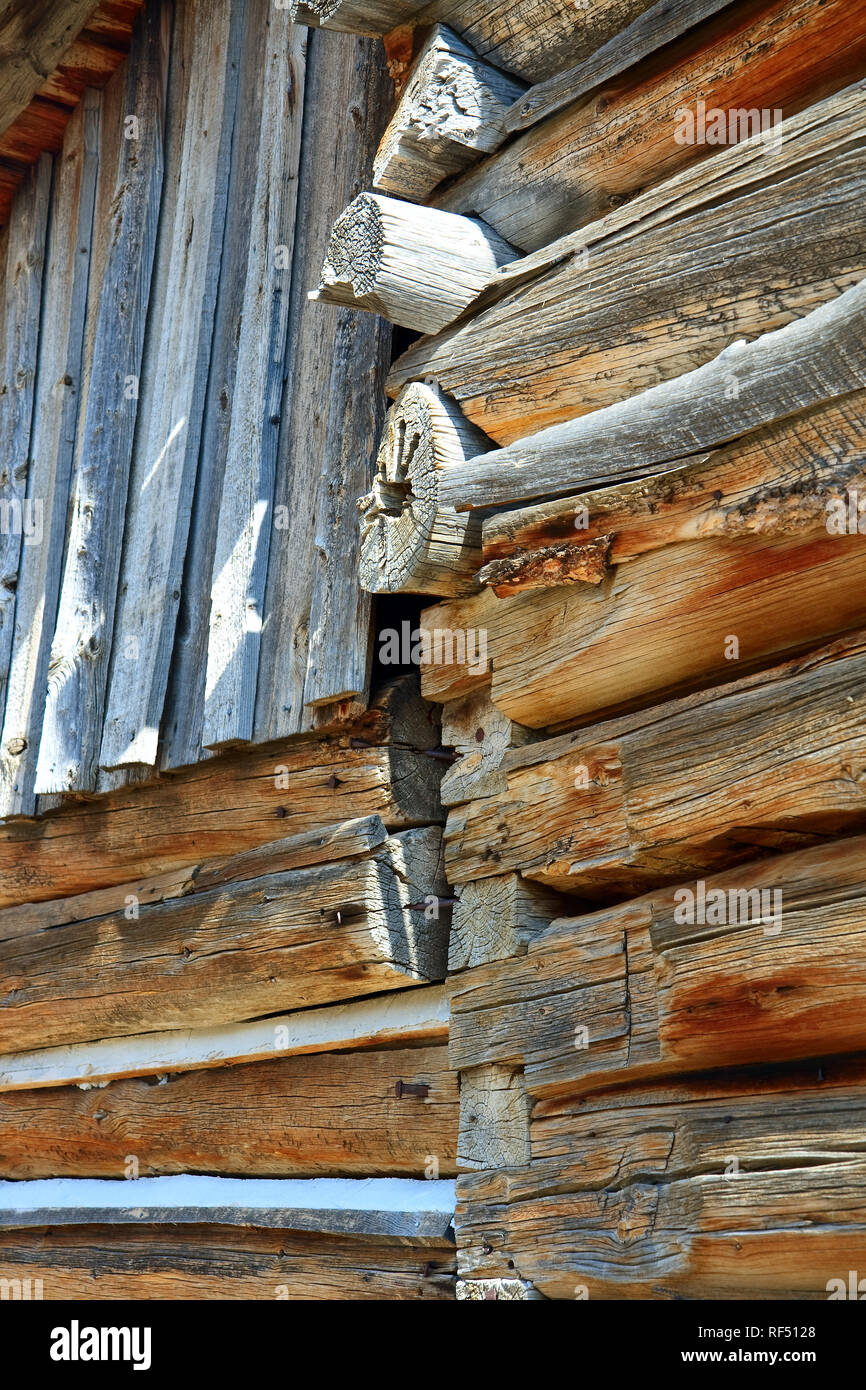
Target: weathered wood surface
[[408, 542], [788, 478], [768, 56], [326, 1115], [416, 266], [713, 254], [452, 112], [481, 734], [496, 919], [689, 786], [72, 726], [407, 1208], [455, 661], [356, 16], [220, 1262], [494, 1119], [671, 620], [408, 1018], [22, 290], [174, 377], [34, 36], [348, 840], [55, 413], [636, 991], [729, 1188], [377, 767], [664, 21], [288, 940], [245, 521], [317, 647]]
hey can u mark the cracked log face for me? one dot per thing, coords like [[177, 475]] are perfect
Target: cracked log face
[[408, 542]]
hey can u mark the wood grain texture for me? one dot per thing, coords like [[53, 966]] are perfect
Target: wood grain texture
[[376, 767], [34, 36], [174, 377], [770, 56], [494, 1119], [481, 734], [55, 414], [212, 1262], [497, 918], [698, 783], [311, 1116], [289, 940], [78, 669], [716, 1191], [686, 268], [785, 479]]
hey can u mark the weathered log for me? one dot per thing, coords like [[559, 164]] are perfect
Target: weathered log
[[21, 289], [375, 767], [55, 410], [496, 918], [407, 1208], [695, 1191], [494, 1119], [411, 1018], [685, 266], [34, 36], [321, 1115], [78, 668], [784, 479], [285, 941], [481, 733], [816, 359], [375, 17], [408, 542], [174, 374], [450, 114], [720, 972], [454, 655], [772, 760], [221, 1262], [415, 266], [660, 24], [752, 64]]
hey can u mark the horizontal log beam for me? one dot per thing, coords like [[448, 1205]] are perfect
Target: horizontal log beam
[[414, 266], [34, 37], [411, 1017], [324, 1115], [285, 941]]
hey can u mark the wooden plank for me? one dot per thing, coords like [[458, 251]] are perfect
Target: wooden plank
[[787, 478], [173, 379], [754, 63], [452, 112], [245, 520], [327, 1115], [695, 784], [72, 726], [22, 288], [285, 941], [684, 268], [699, 1197], [378, 766], [345, 841], [55, 414], [317, 646], [400, 1208], [34, 36], [497, 918], [224, 1262], [636, 991], [659, 25], [411, 1017]]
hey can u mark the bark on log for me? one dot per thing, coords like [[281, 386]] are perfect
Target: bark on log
[[415, 266], [223, 1262], [285, 941], [685, 266], [450, 114], [784, 479], [771, 760], [752, 64], [408, 542], [324, 1115]]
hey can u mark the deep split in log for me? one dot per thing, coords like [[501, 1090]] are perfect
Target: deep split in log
[[408, 542], [451, 113], [413, 265]]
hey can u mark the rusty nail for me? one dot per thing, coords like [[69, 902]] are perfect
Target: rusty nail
[[440, 753], [411, 1088]]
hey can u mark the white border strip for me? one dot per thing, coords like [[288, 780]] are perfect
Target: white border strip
[[411, 1014]]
